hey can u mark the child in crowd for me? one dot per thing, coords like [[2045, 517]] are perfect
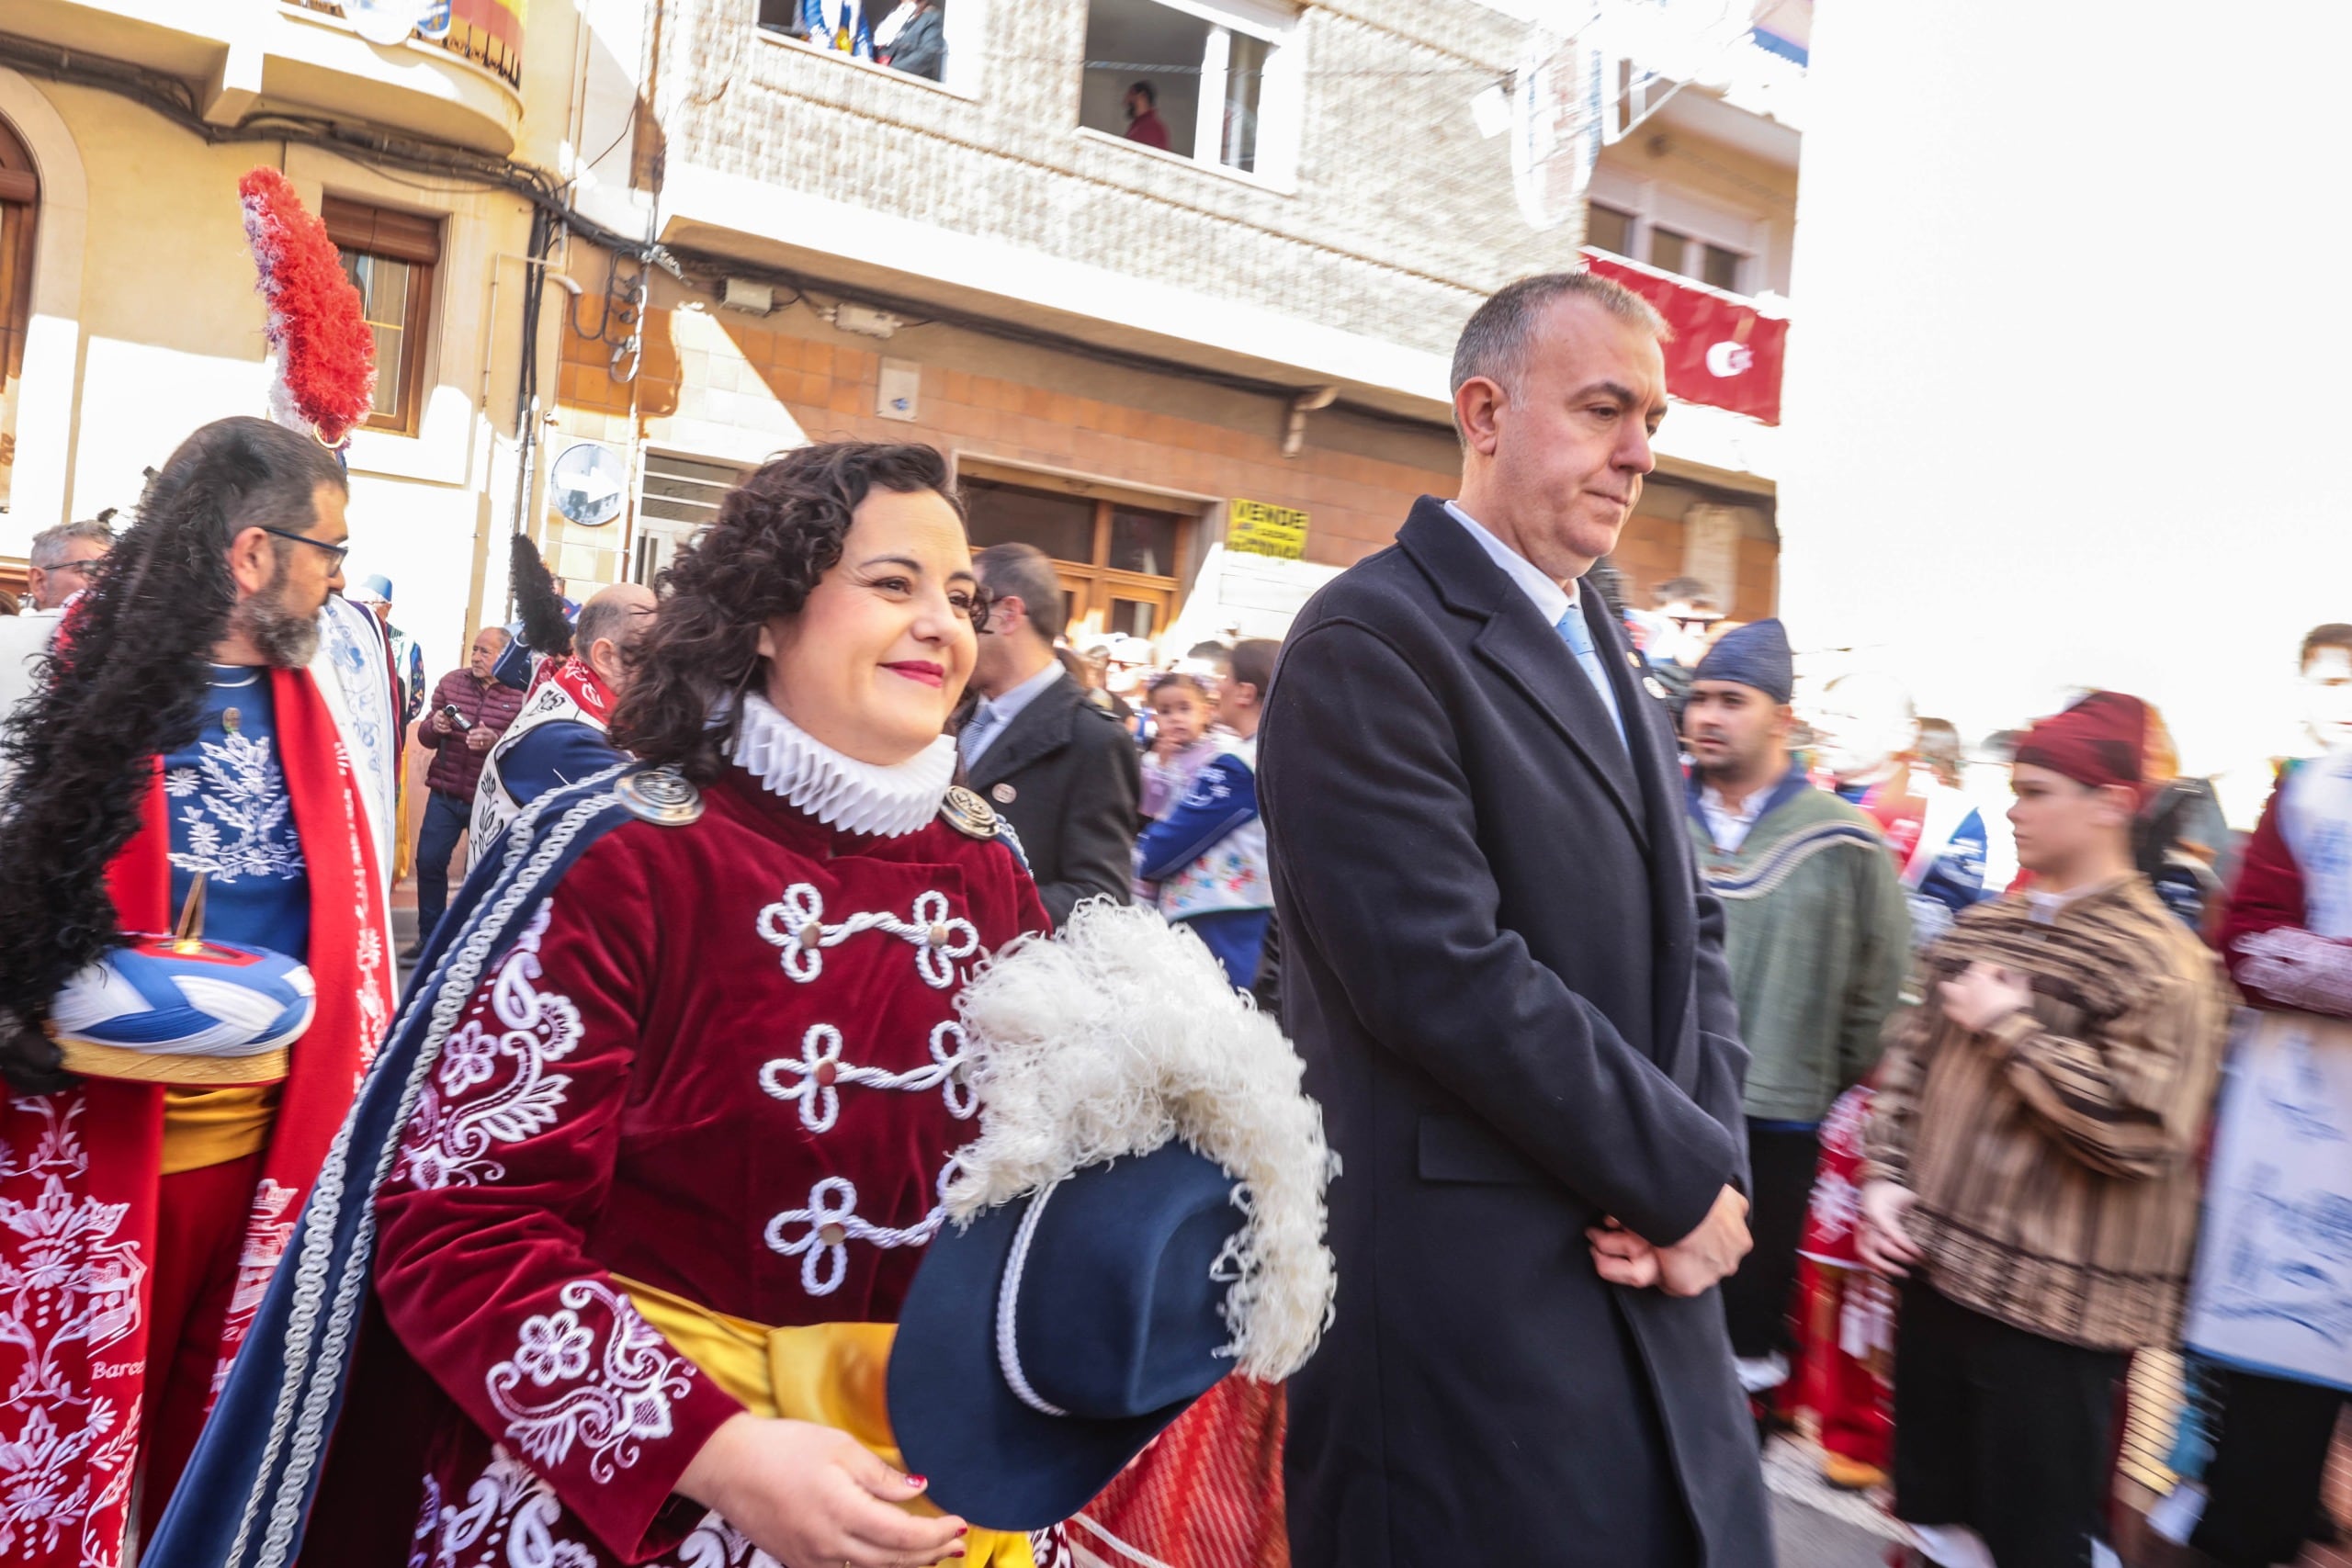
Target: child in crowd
[[1203, 861], [1182, 746]]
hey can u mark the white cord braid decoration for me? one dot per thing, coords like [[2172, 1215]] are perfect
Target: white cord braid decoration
[[817, 1074], [1008, 1308], [833, 1223], [795, 923]]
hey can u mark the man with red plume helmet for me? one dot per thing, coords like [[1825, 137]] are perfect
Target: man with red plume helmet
[[205, 755]]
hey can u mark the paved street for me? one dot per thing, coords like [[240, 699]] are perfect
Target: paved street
[[1814, 1525]]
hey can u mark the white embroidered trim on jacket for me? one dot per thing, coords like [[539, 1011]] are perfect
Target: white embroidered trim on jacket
[[620, 1394], [795, 923], [2298, 968], [451, 1136], [842, 792]]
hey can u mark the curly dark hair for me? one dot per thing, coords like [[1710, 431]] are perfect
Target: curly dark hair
[[125, 682], [778, 533]]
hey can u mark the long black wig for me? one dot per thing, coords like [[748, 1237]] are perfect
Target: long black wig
[[125, 681]]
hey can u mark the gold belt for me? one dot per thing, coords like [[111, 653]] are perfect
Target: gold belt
[[831, 1373]]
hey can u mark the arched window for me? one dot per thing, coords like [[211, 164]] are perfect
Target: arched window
[[19, 212]]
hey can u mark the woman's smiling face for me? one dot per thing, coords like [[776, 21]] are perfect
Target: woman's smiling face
[[876, 660]]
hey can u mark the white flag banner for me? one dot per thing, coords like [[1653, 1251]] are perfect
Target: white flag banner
[[2272, 1289]]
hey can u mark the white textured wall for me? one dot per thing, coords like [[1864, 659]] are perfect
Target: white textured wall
[[2067, 396]]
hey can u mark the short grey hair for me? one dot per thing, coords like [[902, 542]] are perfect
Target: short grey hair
[[50, 543], [1023, 572], [1494, 342]]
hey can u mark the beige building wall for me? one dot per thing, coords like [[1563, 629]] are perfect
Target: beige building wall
[[165, 348]]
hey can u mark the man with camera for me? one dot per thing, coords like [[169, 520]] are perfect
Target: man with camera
[[468, 714]]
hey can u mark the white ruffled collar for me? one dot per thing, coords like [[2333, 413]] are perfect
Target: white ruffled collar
[[842, 792]]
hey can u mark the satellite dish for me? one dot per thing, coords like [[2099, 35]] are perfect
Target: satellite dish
[[1554, 127], [385, 21], [589, 483]]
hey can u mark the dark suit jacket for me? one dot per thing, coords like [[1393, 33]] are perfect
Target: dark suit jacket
[[920, 49], [1067, 776], [1509, 991]]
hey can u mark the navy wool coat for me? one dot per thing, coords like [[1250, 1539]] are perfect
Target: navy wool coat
[[1510, 990]]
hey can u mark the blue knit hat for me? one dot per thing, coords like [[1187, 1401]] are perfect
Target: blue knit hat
[[1756, 655]]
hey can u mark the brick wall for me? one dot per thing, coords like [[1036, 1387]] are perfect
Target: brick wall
[[1402, 219], [783, 384], [1650, 551]]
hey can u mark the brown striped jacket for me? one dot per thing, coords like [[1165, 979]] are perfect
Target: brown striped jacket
[[2053, 1155]]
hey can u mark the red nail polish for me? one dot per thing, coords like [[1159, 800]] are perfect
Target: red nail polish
[[916, 1481]]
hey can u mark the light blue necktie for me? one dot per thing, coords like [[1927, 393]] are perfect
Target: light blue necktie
[[1579, 637], [977, 732]]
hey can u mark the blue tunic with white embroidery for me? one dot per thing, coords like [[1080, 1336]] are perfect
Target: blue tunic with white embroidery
[[233, 819]]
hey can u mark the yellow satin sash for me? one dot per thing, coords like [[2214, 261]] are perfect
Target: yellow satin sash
[[831, 1373]]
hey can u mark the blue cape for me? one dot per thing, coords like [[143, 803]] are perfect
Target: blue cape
[[246, 1495]]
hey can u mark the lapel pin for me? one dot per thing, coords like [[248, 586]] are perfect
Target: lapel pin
[[1004, 793]]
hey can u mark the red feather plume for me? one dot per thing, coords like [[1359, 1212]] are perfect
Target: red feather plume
[[326, 351]]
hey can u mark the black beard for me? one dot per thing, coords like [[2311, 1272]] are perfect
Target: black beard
[[284, 639]]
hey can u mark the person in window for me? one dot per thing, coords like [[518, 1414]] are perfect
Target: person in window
[[908, 39], [1144, 123], [838, 25]]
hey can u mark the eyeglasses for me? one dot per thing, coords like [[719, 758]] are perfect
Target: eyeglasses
[[337, 551]]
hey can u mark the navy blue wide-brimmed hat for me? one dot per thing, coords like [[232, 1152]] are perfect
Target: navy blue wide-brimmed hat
[[1043, 1346]]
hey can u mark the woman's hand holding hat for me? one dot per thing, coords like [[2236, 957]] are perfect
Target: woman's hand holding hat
[[811, 1495]]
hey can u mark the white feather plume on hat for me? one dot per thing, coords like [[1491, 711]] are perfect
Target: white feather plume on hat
[[1112, 1038]]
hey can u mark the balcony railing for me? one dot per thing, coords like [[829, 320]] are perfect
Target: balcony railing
[[487, 32]]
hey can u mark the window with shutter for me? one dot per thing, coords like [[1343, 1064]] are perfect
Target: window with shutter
[[391, 258]]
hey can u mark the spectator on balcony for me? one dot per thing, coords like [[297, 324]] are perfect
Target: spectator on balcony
[[908, 39], [1144, 123], [838, 25]]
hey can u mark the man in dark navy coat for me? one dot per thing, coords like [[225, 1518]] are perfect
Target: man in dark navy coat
[[1510, 990]]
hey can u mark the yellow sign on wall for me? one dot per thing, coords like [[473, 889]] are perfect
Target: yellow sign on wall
[[1258, 528]]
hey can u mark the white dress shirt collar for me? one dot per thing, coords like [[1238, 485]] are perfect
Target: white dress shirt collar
[[1551, 602], [1728, 828], [995, 715], [1008, 707]]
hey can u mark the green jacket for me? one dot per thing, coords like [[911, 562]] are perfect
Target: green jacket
[[1818, 936]]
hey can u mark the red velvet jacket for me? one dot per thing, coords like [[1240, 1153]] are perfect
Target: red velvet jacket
[[722, 1061], [2268, 940]]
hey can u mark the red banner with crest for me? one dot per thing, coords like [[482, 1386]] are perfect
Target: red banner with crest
[[1724, 354]]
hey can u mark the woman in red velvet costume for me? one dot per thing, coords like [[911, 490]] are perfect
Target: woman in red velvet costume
[[660, 1199]]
